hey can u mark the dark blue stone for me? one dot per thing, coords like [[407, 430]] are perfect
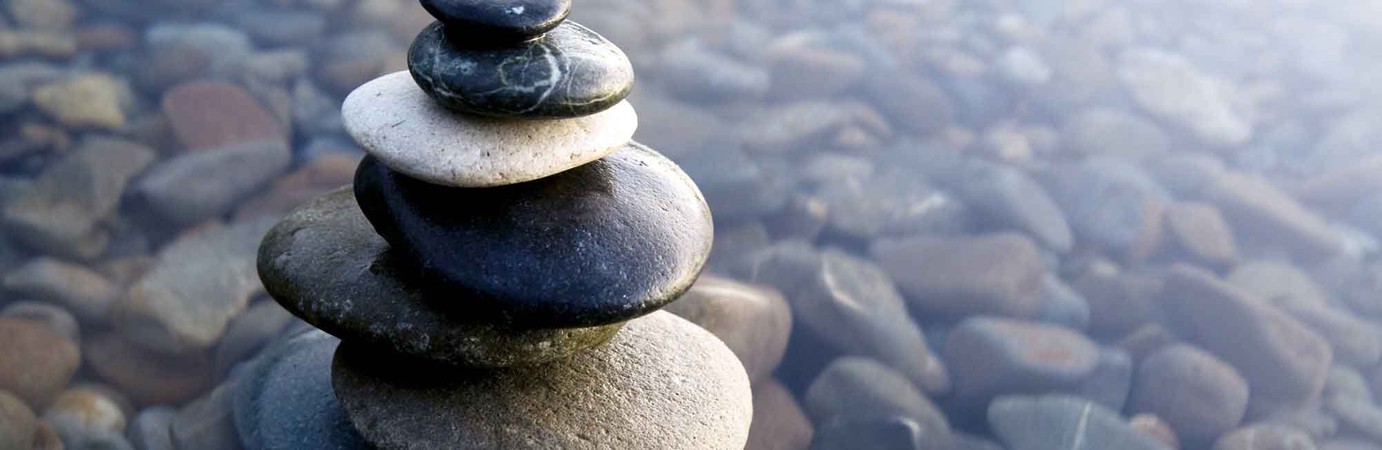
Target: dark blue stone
[[602, 243], [876, 433], [325, 264], [499, 20], [568, 72], [285, 401]]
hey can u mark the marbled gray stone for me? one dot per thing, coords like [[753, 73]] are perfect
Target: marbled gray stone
[[565, 73]]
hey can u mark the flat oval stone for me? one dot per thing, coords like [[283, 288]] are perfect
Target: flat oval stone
[[598, 244], [392, 119], [326, 265], [661, 383], [285, 401], [498, 20], [568, 72]]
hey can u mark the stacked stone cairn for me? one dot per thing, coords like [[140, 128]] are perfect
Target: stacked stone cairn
[[494, 277]]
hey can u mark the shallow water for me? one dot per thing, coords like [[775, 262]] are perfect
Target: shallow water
[[1168, 208]]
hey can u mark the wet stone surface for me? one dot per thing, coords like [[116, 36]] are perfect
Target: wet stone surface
[[285, 400], [484, 22], [568, 72], [599, 244], [659, 370]]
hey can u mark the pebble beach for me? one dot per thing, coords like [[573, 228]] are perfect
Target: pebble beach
[[691, 224]]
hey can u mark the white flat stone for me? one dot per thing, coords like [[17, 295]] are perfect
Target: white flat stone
[[392, 119]]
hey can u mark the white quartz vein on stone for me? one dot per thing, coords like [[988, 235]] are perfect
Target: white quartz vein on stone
[[394, 120]]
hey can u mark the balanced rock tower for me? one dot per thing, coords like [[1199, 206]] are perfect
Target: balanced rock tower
[[493, 278]]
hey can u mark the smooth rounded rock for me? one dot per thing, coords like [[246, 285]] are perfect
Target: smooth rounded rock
[[1063, 422], [990, 356], [1284, 362], [151, 429], [1265, 215], [568, 72], [599, 244], [1198, 395], [17, 423], [84, 292], [754, 321], [206, 115], [326, 265], [61, 213], [854, 387], [201, 185], [392, 119], [498, 20], [198, 283], [147, 377], [1153, 426], [52, 316], [851, 306], [285, 400], [1119, 303], [86, 410], [998, 274], [778, 421], [35, 362], [249, 333], [661, 383]]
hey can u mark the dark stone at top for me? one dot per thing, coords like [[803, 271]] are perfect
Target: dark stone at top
[[568, 72], [602, 243], [499, 20], [285, 400]]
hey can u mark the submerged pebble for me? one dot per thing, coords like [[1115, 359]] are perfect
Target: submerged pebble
[[955, 210]]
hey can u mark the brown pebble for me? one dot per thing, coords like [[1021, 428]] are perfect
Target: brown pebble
[[754, 321], [86, 294], [35, 362], [778, 421], [46, 438], [17, 423], [50, 315], [1200, 233], [87, 408], [207, 115], [148, 378]]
